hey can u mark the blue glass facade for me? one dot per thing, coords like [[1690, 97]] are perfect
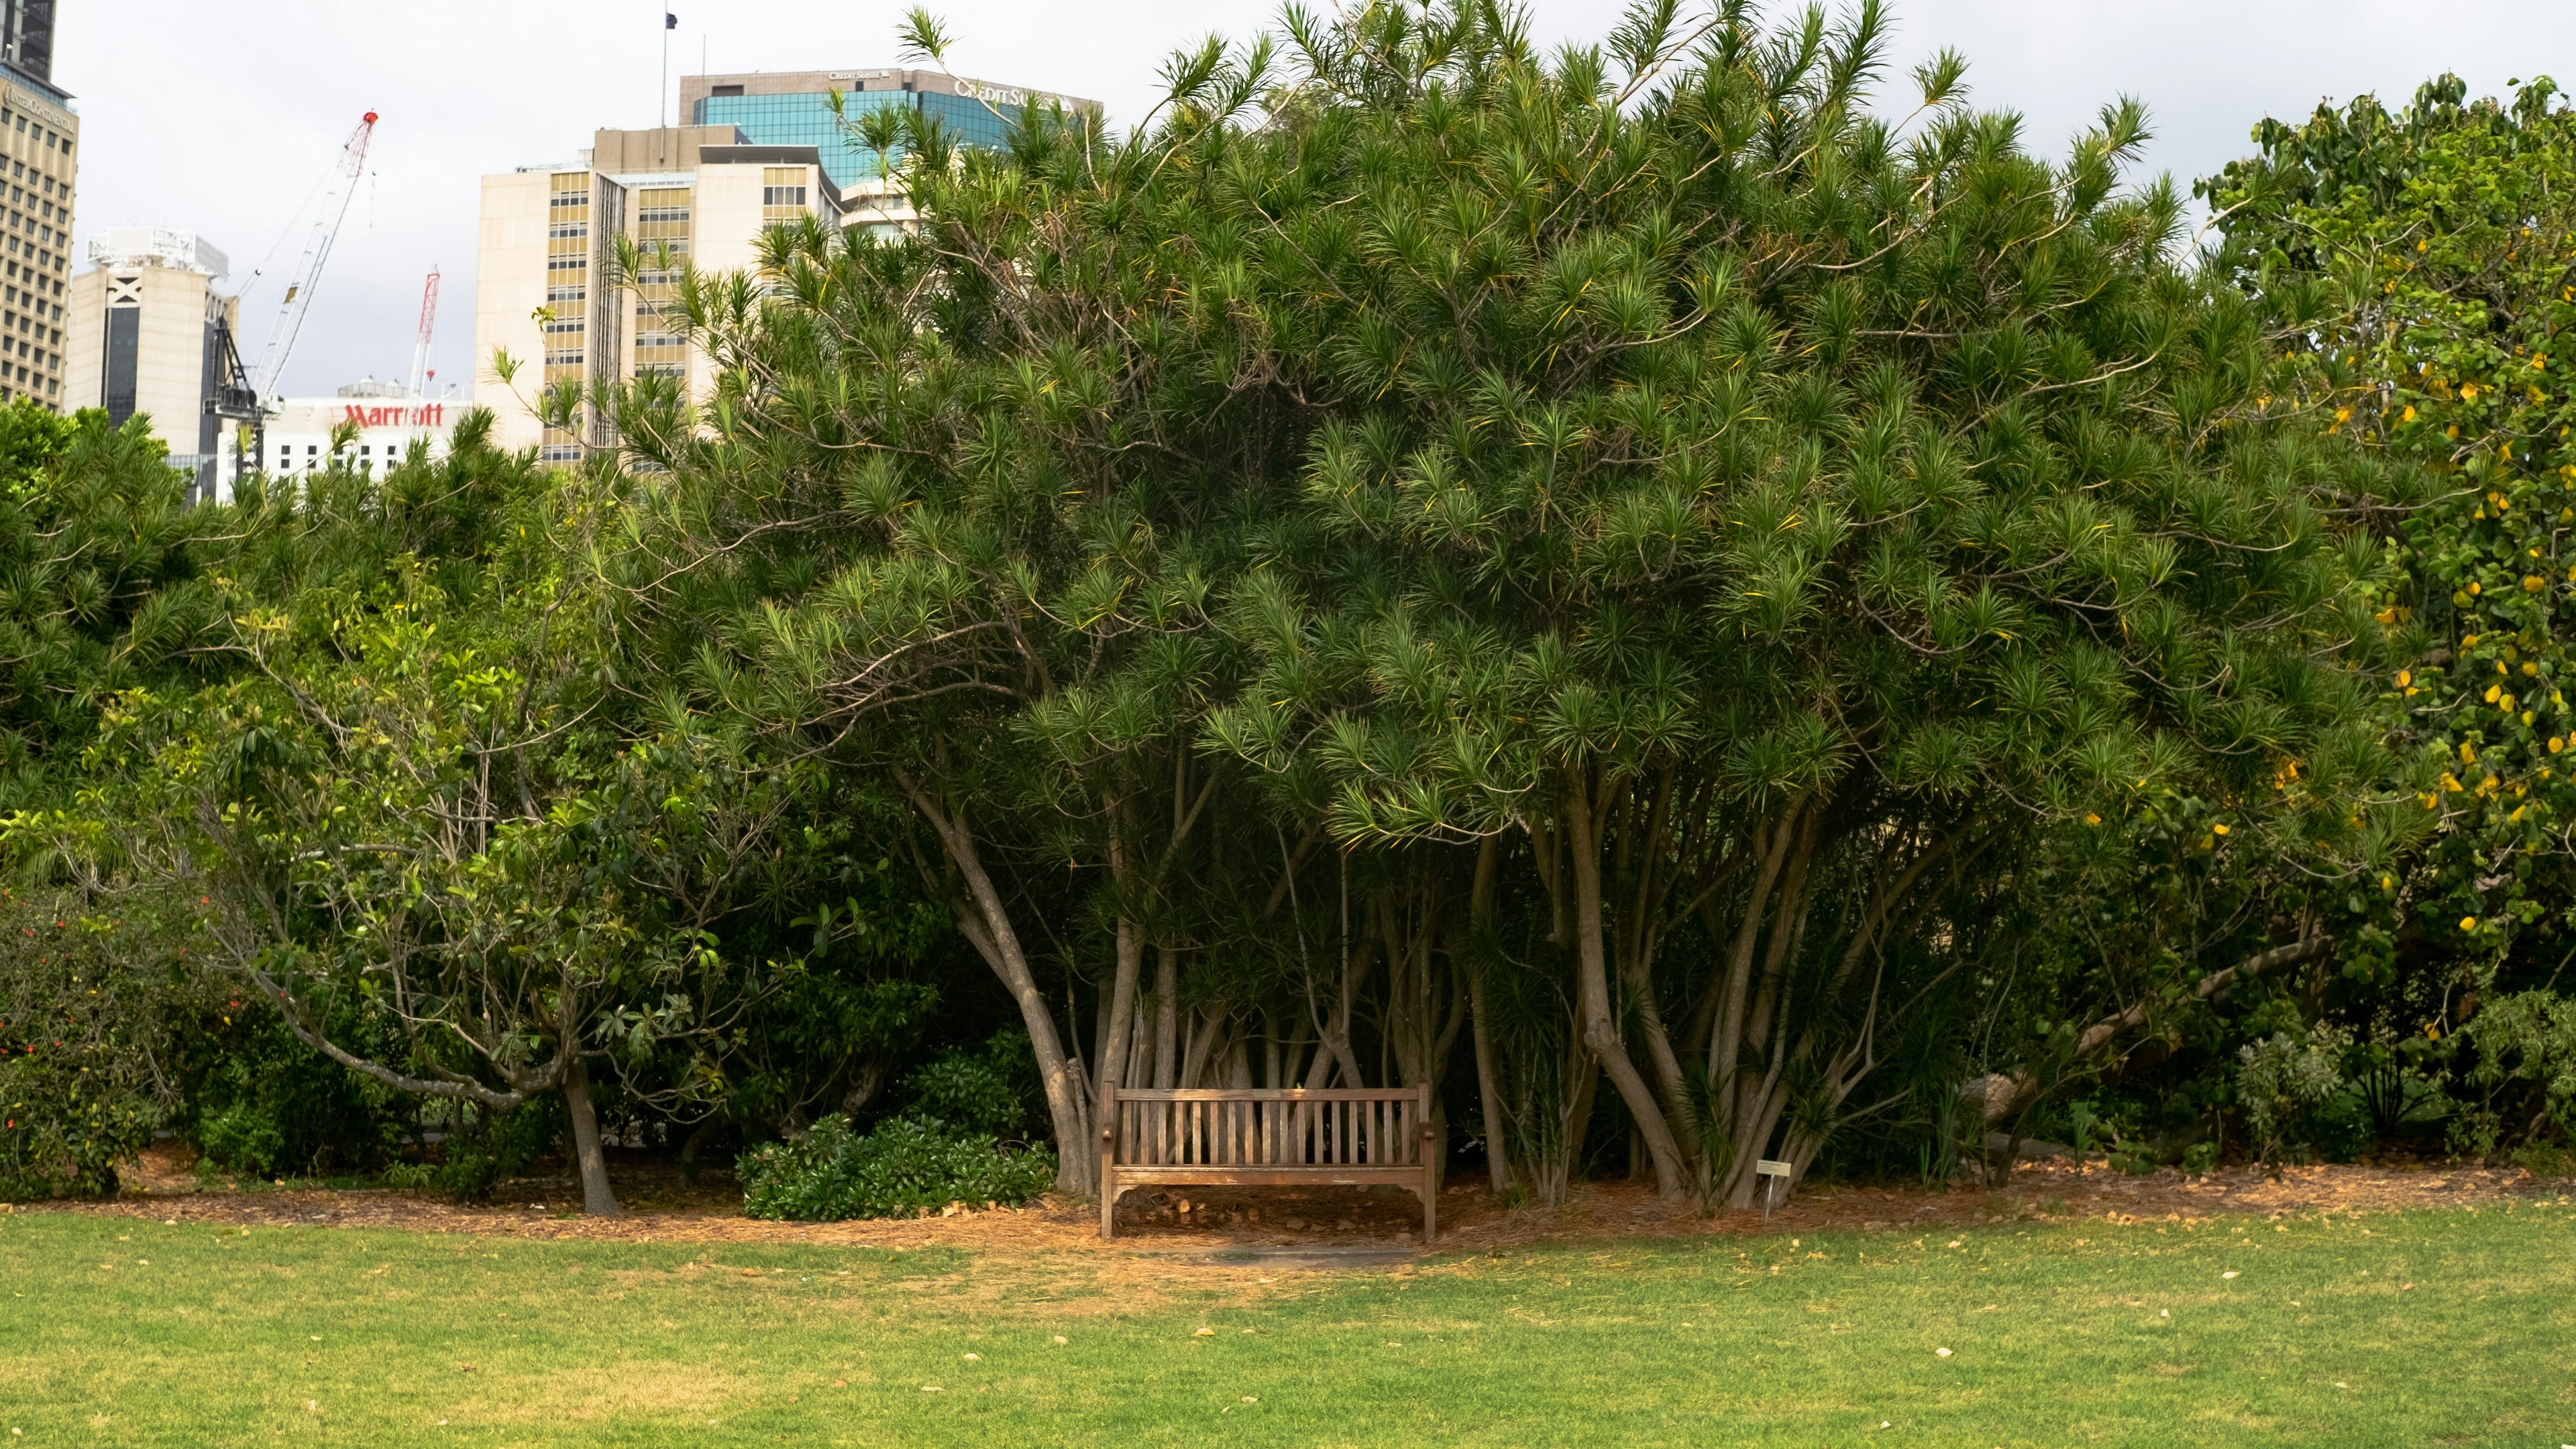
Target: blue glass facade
[[807, 120]]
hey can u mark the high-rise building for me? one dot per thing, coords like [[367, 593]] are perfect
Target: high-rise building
[[151, 335], [38, 140], [761, 149], [794, 108], [697, 195], [27, 38]]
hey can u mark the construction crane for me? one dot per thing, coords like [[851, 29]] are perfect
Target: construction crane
[[245, 398], [420, 373], [342, 185]]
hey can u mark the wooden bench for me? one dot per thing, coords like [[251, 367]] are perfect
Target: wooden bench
[[1269, 1137]]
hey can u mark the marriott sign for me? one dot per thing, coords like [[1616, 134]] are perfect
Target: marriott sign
[[389, 420]]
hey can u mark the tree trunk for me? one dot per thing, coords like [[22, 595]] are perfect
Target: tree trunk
[[1489, 1093], [1600, 1025], [1167, 1018], [1489, 1096], [986, 925], [597, 1198], [1112, 1052]]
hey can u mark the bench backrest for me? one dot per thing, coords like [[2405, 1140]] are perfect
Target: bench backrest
[[1269, 1127]]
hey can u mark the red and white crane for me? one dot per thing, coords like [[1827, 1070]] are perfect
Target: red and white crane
[[341, 186], [420, 373]]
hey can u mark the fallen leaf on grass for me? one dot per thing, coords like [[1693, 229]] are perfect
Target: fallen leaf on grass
[[840, 1383], [2230, 1273], [932, 1389], [1204, 1333], [1943, 1352]]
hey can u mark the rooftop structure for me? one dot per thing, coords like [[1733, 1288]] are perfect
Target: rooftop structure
[[794, 108]]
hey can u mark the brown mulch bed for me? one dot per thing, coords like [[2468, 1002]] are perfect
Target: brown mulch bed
[[663, 1207]]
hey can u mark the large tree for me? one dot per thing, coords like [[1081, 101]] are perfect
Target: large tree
[[1636, 491], [2440, 238]]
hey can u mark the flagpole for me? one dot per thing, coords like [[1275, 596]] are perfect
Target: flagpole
[[662, 94]]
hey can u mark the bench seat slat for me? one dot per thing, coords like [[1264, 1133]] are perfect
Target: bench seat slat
[[1266, 1094], [1334, 1176]]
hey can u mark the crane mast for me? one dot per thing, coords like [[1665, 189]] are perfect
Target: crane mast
[[428, 324], [317, 251], [245, 397]]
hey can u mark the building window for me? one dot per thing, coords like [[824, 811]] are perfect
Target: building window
[[565, 320], [806, 119], [662, 226], [782, 193]]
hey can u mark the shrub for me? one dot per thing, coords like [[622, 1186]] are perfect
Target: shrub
[[904, 1166], [986, 1092], [81, 1033], [2283, 1077], [485, 1148], [2526, 1061], [261, 1102]]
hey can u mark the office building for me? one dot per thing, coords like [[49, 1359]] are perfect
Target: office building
[[388, 418], [27, 38], [794, 108], [760, 149], [39, 137], [697, 195], [150, 334]]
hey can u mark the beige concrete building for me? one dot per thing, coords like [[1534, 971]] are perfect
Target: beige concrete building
[[686, 195], [761, 148], [150, 334], [38, 140]]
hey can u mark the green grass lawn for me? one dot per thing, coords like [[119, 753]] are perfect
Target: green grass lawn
[[126, 1331]]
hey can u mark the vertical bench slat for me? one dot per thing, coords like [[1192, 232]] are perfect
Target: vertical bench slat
[[1430, 1168]]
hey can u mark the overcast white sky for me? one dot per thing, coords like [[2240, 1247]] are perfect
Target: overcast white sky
[[221, 119]]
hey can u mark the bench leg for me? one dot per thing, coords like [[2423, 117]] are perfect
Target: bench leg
[[1430, 1207], [1108, 1196]]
